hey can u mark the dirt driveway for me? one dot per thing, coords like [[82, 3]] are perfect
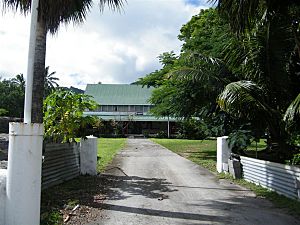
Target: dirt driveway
[[152, 185]]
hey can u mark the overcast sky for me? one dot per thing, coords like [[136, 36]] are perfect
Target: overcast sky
[[107, 48]]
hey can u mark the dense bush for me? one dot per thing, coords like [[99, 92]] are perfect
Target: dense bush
[[193, 129], [63, 116]]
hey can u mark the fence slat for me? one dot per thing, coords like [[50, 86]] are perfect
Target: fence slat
[[61, 163], [277, 177]]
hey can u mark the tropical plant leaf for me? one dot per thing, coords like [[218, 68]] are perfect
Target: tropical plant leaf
[[293, 110], [243, 99]]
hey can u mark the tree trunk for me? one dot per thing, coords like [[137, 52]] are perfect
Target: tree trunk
[[39, 73], [278, 141]]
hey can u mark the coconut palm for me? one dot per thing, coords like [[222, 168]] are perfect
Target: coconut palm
[[266, 54], [50, 81], [20, 81], [52, 13]]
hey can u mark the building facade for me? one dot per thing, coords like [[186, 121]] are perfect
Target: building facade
[[129, 107]]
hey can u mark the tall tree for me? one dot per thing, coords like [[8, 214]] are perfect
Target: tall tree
[[51, 14], [12, 96], [265, 55], [50, 81], [19, 80]]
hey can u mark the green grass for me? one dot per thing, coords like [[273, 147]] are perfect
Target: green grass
[[204, 154], [107, 149], [201, 152], [261, 145]]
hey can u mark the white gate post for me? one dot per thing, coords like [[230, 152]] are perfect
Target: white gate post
[[24, 174], [88, 156], [3, 175], [223, 153]]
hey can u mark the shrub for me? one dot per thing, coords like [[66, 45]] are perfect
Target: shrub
[[193, 129], [63, 116], [239, 140], [3, 112], [161, 134]]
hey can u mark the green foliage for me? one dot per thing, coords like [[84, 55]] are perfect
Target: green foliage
[[292, 116], [63, 115], [193, 129], [161, 134], [296, 159], [239, 140], [206, 33], [110, 128], [12, 96], [244, 55], [51, 218], [50, 82], [3, 112], [189, 84]]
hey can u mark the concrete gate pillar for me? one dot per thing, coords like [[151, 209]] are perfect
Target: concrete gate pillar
[[88, 156], [223, 154], [24, 174]]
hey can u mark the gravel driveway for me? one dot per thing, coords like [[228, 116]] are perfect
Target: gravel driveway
[[154, 186]]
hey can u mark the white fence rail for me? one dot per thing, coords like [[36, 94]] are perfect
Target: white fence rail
[[281, 178]]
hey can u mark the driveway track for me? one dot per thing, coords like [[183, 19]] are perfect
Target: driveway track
[[154, 186]]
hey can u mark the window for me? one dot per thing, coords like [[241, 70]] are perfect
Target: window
[[131, 108], [110, 108], [146, 108], [139, 108], [123, 108], [104, 108]]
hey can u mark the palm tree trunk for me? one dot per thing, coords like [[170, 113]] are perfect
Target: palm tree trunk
[[39, 73]]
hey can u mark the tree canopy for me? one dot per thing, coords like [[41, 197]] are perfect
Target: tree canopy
[[239, 65], [12, 96]]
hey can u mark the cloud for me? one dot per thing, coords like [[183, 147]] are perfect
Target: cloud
[[107, 48]]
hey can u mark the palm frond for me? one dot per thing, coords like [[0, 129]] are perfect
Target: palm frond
[[199, 68], [293, 111], [15, 5], [55, 12], [112, 4], [239, 13], [243, 99]]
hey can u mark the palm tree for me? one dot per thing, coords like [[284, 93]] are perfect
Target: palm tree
[[19, 81], [267, 53], [50, 15], [50, 82]]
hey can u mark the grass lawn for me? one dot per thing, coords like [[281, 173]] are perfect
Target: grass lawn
[[255, 149], [200, 152], [107, 149], [204, 153]]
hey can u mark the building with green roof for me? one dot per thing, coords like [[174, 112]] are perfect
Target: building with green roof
[[129, 106]]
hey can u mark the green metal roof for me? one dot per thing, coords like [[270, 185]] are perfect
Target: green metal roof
[[119, 94]]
